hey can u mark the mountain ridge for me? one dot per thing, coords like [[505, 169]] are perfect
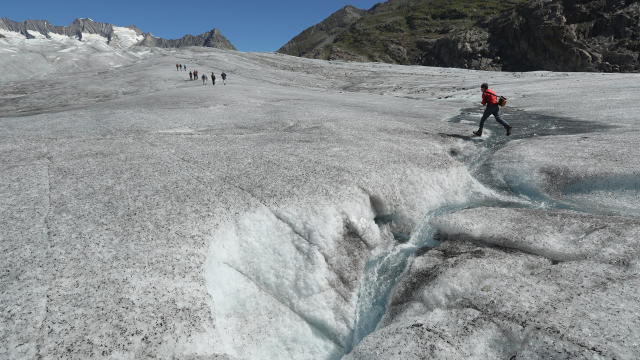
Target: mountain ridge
[[32, 28]]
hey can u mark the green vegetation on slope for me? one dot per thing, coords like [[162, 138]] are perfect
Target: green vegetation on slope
[[405, 23], [514, 35], [318, 36]]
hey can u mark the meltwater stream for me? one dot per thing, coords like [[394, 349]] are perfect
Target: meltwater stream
[[386, 270]]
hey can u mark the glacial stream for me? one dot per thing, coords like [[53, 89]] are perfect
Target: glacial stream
[[384, 272]]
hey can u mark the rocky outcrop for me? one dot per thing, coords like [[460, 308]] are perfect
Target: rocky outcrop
[[557, 35], [82, 26], [467, 49], [569, 35]]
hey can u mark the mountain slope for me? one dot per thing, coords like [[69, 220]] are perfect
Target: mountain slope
[[399, 31], [320, 35], [489, 35], [113, 35]]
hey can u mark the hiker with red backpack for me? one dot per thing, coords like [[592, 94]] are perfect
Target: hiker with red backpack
[[490, 99]]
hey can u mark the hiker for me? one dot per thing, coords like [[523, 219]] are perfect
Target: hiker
[[176, 67], [180, 66], [490, 99], [190, 75], [224, 78], [204, 79], [213, 79], [195, 74]]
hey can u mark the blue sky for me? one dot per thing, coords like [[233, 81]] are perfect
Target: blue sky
[[251, 25]]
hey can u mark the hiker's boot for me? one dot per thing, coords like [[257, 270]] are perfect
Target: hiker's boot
[[508, 130], [477, 133]]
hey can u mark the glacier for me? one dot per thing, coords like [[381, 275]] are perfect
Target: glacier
[[310, 209]]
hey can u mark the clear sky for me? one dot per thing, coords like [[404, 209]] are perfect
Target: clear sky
[[250, 25]]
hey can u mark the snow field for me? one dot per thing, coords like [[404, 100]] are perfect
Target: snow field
[[62, 55], [126, 37]]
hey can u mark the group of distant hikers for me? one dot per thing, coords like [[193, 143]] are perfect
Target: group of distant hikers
[[193, 75]]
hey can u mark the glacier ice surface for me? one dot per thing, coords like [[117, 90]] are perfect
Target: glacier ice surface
[[125, 235]]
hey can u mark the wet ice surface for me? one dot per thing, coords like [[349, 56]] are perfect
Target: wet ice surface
[[144, 215], [595, 172], [474, 293]]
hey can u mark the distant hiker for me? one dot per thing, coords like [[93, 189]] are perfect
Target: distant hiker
[[490, 99], [195, 74], [180, 66], [176, 67], [213, 79], [190, 75], [204, 79], [224, 78]]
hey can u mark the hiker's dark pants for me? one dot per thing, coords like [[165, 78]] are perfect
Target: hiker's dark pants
[[495, 111]]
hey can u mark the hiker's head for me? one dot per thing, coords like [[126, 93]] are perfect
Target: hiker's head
[[484, 86]]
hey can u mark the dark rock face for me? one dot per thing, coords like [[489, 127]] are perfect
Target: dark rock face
[[569, 35], [212, 38], [466, 49], [556, 35]]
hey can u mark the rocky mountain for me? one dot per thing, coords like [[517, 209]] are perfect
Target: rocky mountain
[[316, 38], [516, 35], [113, 34], [212, 38]]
